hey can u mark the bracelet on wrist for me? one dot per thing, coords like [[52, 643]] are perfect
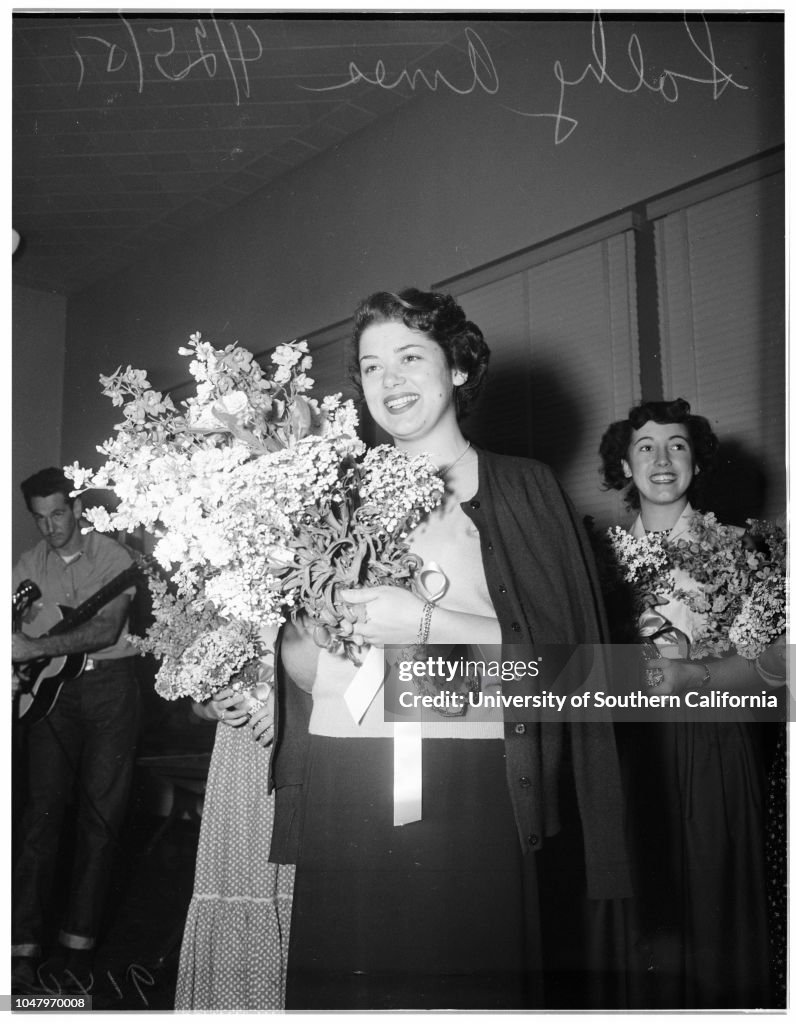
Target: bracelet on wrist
[[425, 624], [704, 682]]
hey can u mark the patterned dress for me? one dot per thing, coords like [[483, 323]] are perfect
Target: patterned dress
[[234, 949], [696, 791]]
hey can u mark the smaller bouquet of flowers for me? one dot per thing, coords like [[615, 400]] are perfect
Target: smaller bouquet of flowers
[[741, 577], [263, 502], [740, 581], [200, 651]]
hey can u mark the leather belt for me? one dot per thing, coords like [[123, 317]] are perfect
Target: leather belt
[[95, 664]]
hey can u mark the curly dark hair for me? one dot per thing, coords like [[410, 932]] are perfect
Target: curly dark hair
[[616, 443], [440, 318], [46, 482]]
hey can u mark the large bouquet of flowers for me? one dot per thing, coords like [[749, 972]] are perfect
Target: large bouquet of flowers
[[263, 502], [740, 595]]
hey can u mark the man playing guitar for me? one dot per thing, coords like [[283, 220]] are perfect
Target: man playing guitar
[[86, 741]]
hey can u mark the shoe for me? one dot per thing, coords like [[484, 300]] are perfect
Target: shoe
[[24, 977]]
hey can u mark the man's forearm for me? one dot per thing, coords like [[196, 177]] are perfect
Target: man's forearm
[[93, 635]]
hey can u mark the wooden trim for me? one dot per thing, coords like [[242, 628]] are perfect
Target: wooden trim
[[329, 335], [771, 162], [713, 185], [541, 252]]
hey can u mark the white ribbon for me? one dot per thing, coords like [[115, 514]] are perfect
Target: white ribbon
[[407, 776], [426, 587], [365, 685], [429, 584]]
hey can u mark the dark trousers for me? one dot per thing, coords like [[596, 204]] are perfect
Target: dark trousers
[[86, 743]]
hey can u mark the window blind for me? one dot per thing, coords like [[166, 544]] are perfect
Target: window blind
[[721, 275]]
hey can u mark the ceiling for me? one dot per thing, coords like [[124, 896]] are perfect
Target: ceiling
[[131, 129]]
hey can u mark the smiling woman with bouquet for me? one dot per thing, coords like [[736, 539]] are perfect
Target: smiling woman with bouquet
[[443, 905], [463, 885], [710, 599]]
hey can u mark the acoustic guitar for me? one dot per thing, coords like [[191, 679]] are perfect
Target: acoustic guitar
[[41, 680], [23, 597]]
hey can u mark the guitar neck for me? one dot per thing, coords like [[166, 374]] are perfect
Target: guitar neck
[[26, 593], [89, 608]]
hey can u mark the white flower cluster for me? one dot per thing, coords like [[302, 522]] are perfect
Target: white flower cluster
[[292, 361], [641, 559], [218, 654], [202, 651], [737, 583], [219, 484], [397, 490], [762, 617], [247, 490]]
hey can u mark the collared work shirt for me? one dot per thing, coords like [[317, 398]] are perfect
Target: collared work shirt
[[100, 561]]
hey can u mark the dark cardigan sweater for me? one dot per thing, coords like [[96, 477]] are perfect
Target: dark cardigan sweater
[[543, 586]]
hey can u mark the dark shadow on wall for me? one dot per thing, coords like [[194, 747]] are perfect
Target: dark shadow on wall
[[529, 411], [736, 488], [500, 421], [521, 411]]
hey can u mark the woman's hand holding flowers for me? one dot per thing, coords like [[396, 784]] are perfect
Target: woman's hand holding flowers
[[393, 615], [261, 722], [385, 615], [230, 707]]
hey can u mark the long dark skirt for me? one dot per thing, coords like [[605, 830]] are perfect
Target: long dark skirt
[[777, 866], [695, 813], [440, 913]]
